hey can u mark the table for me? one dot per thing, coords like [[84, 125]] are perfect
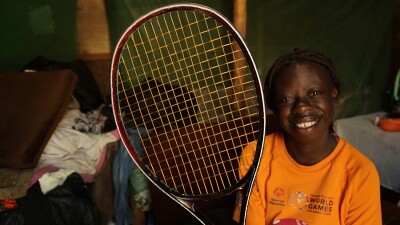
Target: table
[[382, 147]]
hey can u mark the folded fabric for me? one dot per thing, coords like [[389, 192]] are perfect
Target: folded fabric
[[51, 180]]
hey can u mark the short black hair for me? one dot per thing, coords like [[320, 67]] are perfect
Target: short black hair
[[296, 56]]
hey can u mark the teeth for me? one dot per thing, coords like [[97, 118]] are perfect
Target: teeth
[[306, 124]]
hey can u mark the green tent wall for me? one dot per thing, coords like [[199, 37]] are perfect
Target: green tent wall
[[356, 34]]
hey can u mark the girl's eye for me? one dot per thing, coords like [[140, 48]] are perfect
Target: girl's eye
[[315, 93], [285, 99]]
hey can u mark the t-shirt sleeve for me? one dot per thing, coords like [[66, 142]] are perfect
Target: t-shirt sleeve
[[365, 207]]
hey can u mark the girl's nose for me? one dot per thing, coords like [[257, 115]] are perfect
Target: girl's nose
[[301, 105]]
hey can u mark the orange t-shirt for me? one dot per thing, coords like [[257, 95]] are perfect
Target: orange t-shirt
[[341, 189]]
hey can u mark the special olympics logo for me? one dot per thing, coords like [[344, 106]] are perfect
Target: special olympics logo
[[279, 192], [299, 200]]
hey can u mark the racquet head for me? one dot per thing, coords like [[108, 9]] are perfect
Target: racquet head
[[187, 99]]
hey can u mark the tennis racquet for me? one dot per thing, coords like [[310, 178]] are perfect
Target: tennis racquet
[[187, 99]]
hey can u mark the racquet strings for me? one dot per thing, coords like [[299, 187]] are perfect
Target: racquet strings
[[184, 80]]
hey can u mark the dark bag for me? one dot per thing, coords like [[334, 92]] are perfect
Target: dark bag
[[392, 101]]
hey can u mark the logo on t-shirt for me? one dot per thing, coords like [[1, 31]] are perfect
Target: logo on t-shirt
[[279, 192], [278, 197], [315, 203], [312, 203], [299, 200], [321, 204]]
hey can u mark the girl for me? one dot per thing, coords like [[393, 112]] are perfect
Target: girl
[[309, 175]]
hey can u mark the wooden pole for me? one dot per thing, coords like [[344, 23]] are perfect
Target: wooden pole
[[239, 21], [240, 16]]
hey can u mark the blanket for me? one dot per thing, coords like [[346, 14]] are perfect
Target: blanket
[[72, 149]]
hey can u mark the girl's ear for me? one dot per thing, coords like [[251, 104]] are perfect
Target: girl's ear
[[335, 96]]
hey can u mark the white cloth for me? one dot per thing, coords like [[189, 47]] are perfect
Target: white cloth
[[382, 147], [51, 180], [74, 150]]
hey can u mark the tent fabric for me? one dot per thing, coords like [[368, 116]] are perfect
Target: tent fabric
[[355, 34]]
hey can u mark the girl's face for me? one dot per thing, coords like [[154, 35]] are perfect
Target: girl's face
[[304, 98]]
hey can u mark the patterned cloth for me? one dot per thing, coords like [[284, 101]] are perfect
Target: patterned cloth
[[91, 122], [139, 189]]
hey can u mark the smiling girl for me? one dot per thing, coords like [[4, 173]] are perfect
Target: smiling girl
[[308, 174]]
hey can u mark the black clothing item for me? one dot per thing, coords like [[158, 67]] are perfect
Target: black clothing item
[[67, 204]]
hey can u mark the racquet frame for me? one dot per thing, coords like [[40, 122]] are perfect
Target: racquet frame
[[188, 202]]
